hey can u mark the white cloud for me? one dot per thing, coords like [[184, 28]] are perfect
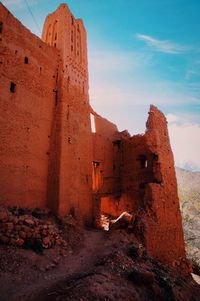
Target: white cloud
[[120, 88], [165, 46], [125, 102], [185, 142], [123, 78], [172, 118], [118, 59]]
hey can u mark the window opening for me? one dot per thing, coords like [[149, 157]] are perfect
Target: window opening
[[1, 26], [92, 121], [25, 60], [95, 176], [142, 185], [143, 161], [12, 87]]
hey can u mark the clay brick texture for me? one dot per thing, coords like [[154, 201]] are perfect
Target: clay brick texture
[[50, 157]]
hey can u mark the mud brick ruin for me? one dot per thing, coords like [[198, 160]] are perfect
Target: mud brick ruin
[[51, 158]]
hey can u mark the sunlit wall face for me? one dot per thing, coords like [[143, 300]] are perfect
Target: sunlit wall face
[[144, 52]]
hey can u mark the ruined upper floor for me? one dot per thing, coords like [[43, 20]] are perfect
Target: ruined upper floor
[[49, 156]]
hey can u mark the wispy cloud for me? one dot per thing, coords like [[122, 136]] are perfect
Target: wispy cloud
[[172, 118], [112, 61], [193, 70], [185, 145], [164, 46], [120, 86]]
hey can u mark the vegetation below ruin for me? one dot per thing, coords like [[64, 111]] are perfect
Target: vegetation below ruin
[[189, 195]]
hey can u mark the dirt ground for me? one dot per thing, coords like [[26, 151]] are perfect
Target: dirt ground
[[97, 265]]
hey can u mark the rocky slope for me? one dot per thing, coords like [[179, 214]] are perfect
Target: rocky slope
[[109, 266], [189, 194], [81, 264]]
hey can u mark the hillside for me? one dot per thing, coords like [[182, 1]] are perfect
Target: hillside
[[189, 194]]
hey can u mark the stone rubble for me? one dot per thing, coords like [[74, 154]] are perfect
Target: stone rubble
[[25, 230]]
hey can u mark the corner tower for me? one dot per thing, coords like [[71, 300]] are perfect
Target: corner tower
[[70, 158]]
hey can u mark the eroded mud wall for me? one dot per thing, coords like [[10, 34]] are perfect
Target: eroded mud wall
[[62, 31], [28, 70], [160, 215]]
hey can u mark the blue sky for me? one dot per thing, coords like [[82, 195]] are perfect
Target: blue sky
[[140, 52]]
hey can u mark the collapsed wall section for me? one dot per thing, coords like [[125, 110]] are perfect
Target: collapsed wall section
[[105, 157], [159, 217], [140, 178], [48, 156], [28, 79], [105, 164]]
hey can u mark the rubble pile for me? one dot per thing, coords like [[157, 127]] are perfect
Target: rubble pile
[[21, 228]]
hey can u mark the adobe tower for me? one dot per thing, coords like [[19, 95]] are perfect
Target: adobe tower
[[69, 177], [46, 143], [49, 156]]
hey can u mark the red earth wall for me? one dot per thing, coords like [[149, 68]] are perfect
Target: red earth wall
[[63, 31], [49, 156], [142, 181], [26, 113], [160, 214], [46, 143]]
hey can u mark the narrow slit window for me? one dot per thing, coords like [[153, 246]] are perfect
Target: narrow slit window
[[96, 176], [12, 87], [26, 60], [1, 26], [92, 120]]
